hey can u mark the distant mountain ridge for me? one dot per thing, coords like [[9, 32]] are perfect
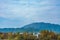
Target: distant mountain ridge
[[34, 27], [37, 27]]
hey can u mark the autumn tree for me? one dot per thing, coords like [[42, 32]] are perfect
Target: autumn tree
[[47, 35]]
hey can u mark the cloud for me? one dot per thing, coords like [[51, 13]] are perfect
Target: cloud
[[14, 10], [21, 12]]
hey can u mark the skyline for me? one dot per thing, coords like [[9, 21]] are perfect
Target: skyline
[[17, 13]]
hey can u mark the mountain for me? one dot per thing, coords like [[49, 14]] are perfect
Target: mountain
[[37, 27], [34, 27]]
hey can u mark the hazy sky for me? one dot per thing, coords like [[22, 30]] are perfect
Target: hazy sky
[[17, 13]]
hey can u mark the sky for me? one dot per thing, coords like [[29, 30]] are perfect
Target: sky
[[17, 13]]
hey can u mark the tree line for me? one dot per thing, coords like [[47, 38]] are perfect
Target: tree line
[[43, 35]]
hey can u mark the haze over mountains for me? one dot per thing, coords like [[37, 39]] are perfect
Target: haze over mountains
[[34, 27]]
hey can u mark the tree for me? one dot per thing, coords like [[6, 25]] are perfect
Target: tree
[[58, 36], [47, 35], [10, 36], [18, 36]]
